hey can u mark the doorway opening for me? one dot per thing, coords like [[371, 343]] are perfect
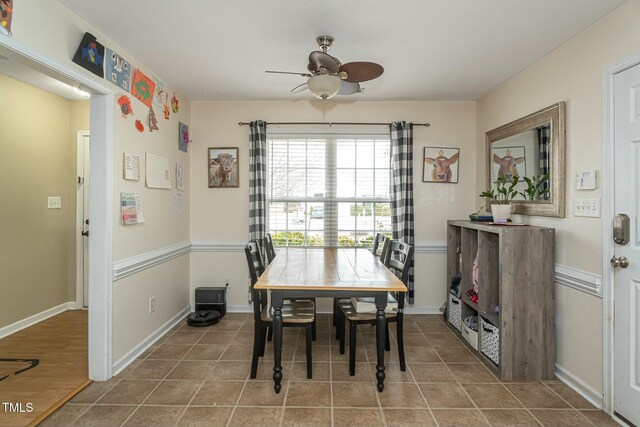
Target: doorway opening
[[100, 269]]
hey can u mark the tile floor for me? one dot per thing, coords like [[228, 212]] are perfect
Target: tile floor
[[199, 377]]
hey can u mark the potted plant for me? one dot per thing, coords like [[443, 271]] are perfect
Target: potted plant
[[500, 197], [535, 187]]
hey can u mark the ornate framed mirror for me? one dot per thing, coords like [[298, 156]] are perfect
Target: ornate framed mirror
[[533, 147]]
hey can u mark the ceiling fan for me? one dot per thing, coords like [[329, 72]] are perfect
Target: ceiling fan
[[328, 77]]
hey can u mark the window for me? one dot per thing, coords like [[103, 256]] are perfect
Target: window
[[328, 191]]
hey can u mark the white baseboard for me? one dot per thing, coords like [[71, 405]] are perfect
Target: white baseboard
[[421, 310], [36, 318], [143, 345], [579, 386]]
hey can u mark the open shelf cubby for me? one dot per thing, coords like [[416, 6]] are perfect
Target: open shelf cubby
[[515, 308]]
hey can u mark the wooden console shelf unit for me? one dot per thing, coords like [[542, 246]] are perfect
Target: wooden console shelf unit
[[515, 273]]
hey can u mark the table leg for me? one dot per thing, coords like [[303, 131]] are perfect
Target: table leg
[[276, 303], [381, 323]]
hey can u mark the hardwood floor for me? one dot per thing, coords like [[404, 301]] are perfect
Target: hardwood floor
[[60, 343]]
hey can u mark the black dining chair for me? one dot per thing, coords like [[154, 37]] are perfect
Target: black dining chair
[[378, 243], [398, 257], [271, 254], [295, 314], [269, 248]]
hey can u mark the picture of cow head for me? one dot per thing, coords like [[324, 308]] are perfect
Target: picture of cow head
[[223, 167], [508, 164], [441, 166]]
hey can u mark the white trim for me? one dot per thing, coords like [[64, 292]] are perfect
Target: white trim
[[143, 345], [422, 310], [247, 308], [101, 200], [431, 247], [101, 237], [36, 318], [217, 245], [608, 189], [576, 384], [135, 264], [578, 279]]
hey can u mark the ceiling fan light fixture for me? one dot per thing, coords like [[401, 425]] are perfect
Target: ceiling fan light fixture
[[324, 86]]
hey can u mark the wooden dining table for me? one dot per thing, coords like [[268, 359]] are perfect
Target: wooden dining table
[[302, 272]]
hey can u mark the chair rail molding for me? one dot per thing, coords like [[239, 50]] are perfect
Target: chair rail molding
[[217, 245], [135, 264], [431, 247], [579, 279]]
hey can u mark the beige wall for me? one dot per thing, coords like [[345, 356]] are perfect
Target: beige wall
[[222, 214], [163, 226], [37, 160], [571, 73]]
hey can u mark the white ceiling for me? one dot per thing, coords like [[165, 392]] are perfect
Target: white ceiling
[[430, 49]]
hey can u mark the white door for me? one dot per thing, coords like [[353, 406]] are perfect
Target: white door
[[82, 218], [627, 280]]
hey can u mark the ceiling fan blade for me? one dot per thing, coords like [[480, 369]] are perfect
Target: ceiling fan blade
[[358, 72], [348, 88], [300, 88], [319, 60], [288, 72]]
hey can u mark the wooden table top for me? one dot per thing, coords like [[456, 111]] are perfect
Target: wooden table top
[[323, 269]]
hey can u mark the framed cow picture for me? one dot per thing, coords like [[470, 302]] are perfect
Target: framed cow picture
[[223, 167], [509, 161], [440, 165]]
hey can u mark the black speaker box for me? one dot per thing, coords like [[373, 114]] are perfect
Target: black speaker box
[[214, 298]]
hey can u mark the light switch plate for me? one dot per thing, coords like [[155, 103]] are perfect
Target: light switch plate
[[54, 202], [587, 207]]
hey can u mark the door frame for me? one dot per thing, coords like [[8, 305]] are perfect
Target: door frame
[[608, 212], [101, 199], [80, 228]]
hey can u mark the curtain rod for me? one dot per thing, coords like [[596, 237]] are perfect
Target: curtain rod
[[332, 123]]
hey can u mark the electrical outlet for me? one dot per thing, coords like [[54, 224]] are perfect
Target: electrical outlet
[[227, 280], [152, 304], [587, 207], [54, 202]]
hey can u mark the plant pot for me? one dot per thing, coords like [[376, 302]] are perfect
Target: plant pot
[[501, 212]]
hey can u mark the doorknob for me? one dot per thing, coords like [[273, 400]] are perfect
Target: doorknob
[[622, 262]]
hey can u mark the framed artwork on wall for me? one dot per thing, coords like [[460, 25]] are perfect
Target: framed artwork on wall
[[118, 70], [509, 161], [183, 137], [142, 87], [90, 55], [223, 167], [440, 164]]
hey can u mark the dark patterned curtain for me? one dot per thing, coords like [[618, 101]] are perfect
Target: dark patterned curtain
[[258, 183], [402, 188], [544, 134]]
